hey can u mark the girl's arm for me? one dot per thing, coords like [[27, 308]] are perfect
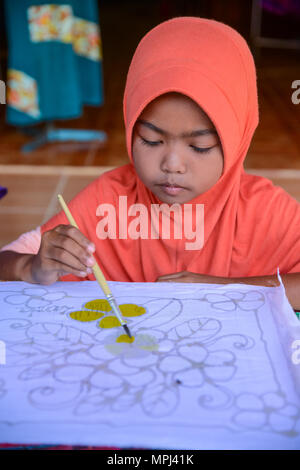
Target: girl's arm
[[291, 282], [63, 250], [15, 266], [16, 257]]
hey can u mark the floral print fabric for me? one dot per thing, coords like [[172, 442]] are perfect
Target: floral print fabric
[[22, 92], [58, 23]]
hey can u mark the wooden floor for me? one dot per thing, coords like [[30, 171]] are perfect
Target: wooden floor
[[34, 179]]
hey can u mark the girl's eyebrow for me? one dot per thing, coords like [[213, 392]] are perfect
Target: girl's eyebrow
[[185, 134]]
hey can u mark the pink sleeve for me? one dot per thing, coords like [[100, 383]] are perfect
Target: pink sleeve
[[28, 242]]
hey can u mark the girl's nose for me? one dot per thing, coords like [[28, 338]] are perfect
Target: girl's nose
[[172, 162]]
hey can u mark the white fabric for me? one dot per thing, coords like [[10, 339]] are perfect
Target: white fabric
[[211, 367]]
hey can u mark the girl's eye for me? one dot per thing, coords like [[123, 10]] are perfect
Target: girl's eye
[[201, 150], [148, 142], [196, 149]]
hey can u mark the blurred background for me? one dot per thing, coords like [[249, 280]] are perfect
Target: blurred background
[[50, 146]]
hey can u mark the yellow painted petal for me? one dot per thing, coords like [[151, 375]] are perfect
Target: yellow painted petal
[[84, 315], [98, 304], [109, 322], [124, 339], [132, 310]]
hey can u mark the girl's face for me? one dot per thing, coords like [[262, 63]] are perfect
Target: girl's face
[[175, 143]]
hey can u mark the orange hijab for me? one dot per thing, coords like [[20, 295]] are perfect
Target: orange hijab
[[251, 227]]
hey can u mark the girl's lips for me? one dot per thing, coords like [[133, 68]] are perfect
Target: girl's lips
[[171, 190]]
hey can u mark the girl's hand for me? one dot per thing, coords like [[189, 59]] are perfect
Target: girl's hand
[[186, 276], [64, 250]]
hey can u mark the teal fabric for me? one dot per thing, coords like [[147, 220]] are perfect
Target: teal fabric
[[66, 81]]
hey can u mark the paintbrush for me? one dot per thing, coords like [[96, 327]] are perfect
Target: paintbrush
[[98, 273]]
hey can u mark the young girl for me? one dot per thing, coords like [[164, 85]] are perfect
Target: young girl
[[190, 110]]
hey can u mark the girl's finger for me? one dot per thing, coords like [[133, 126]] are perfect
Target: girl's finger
[[64, 269], [77, 236], [63, 257], [72, 248]]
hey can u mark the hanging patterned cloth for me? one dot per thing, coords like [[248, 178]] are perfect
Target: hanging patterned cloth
[[54, 59]]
